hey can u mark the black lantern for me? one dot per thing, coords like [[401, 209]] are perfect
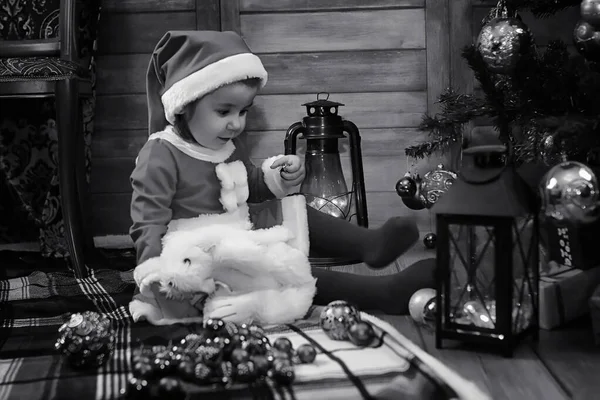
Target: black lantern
[[487, 254], [325, 186]]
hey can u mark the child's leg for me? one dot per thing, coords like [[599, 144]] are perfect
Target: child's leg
[[388, 293], [330, 236]]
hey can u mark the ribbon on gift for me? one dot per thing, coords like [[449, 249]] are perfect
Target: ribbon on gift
[[564, 295]]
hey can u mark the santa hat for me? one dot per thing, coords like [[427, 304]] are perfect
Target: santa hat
[[186, 65]]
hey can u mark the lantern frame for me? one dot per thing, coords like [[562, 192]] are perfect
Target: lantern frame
[[324, 125], [499, 201]]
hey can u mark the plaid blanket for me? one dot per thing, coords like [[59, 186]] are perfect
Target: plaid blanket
[[33, 307]]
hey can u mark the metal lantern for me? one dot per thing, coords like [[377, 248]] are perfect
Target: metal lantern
[[325, 186], [487, 254]]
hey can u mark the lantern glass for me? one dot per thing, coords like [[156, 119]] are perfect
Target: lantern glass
[[325, 186], [477, 293]]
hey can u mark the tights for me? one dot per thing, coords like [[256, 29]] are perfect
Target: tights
[[377, 248]]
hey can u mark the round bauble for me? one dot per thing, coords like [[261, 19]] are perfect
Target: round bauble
[[417, 302], [570, 193], [587, 41], [590, 12], [336, 318], [429, 240], [361, 333], [502, 42], [434, 184], [406, 186]]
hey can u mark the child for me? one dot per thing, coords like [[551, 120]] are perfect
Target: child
[[200, 85]]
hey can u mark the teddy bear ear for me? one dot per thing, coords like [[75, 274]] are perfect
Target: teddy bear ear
[[208, 249]]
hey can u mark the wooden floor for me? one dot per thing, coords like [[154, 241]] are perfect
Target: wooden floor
[[563, 364]]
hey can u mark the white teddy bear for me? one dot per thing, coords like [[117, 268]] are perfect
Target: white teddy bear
[[248, 275]]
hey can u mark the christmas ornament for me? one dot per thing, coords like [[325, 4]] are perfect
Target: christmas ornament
[[502, 42], [283, 344], [246, 372], [592, 158], [361, 333], [336, 318], [587, 40], [434, 184], [170, 388], [429, 240], [429, 314], [306, 353], [417, 302], [221, 354], [262, 364], [186, 369], [239, 356], [137, 388], [87, 339], [570, 193], [283, 374], [590, 12], [549, 152], [202, 373], [406, 186], [225, 372]]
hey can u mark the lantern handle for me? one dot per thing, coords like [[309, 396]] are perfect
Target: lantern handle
[[358, 176], [290, 137], [324, 93]]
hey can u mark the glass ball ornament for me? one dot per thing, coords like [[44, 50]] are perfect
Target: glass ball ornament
[[429, 314], [417, 302], [587, 40], [502, 42], [434, 184], [137, 388], [337, 317], [406, 186], [171, 388], [570, 193], [87, 339], [590, 11], [306, 353], [429, 240], [361, 333]]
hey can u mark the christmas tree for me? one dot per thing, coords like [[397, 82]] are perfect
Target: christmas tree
[[544, 102]]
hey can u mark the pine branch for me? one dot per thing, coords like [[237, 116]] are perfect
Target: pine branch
[[551, 93]]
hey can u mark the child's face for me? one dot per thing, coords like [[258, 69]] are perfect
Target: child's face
[[220, 116]]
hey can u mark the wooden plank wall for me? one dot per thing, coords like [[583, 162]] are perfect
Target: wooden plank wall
[[386, 60]]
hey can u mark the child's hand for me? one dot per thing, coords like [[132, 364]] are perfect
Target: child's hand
[[292, 169]]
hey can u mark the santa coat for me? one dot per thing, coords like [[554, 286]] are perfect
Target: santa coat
[[181, 186]]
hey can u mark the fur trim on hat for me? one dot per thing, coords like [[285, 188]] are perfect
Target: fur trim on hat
[[220, 73]]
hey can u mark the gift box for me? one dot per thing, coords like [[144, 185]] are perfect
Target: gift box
[[565, 295], [595, 314]]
